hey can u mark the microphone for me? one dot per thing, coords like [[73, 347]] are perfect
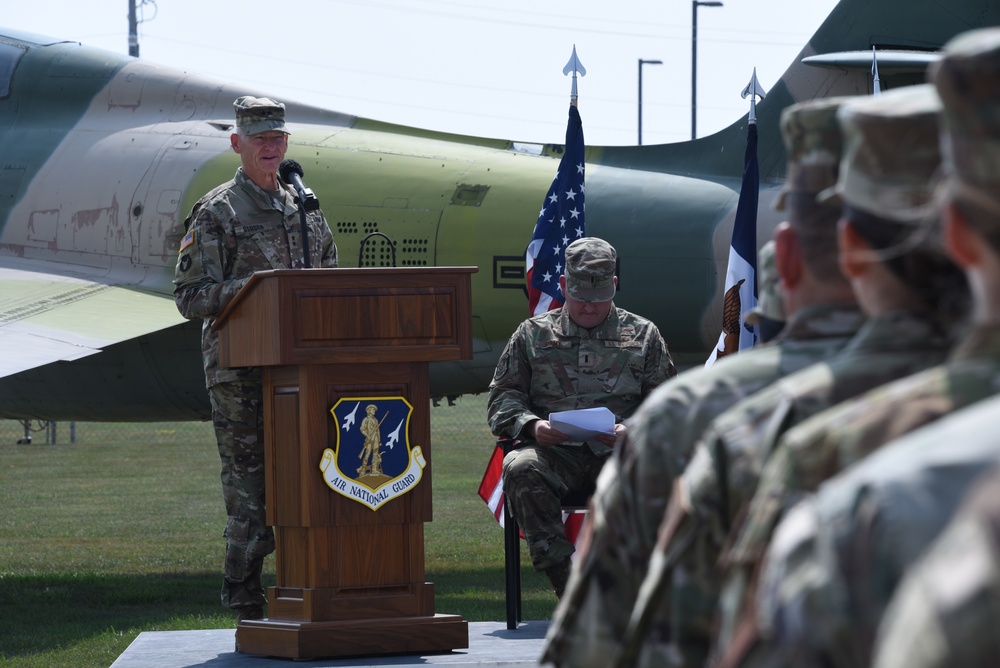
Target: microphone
[[290, 172]]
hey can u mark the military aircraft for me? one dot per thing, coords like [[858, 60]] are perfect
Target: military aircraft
[[104, 154]]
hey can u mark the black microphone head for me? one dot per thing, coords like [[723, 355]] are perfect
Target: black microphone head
[[287, 168]]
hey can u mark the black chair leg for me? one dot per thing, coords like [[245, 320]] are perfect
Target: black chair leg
[[512, 569]]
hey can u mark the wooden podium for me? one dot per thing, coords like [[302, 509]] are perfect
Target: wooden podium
[[349, 576]]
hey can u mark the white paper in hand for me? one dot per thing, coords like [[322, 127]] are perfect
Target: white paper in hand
[[583, 424]]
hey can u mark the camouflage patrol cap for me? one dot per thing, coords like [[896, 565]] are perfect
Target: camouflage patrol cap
[[590, 270], [967, 79], [769, 302], [259, 114], [891, 154], [813, 143]]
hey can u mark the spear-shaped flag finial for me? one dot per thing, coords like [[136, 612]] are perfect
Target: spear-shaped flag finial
[[574, 65], [876, 85], [752, 90]]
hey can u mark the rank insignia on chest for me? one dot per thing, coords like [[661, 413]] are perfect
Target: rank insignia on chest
[[374, 461]]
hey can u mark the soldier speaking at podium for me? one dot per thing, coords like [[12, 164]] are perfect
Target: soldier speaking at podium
[[249, 223]]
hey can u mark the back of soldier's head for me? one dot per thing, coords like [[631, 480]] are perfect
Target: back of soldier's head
[[890, 155], [769, 313], [813, 142], [967, 79], [888, 175]]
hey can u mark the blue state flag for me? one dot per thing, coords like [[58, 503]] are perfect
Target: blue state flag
[[741, 276], [560, 222]]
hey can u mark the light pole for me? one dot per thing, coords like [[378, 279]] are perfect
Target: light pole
[[641, 63], [695, 4], [133, 30]]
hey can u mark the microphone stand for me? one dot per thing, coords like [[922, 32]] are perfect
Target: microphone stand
[[307, 202], [306, 262]]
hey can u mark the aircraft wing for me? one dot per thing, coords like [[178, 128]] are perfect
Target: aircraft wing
[[888, 60], [46, 317]]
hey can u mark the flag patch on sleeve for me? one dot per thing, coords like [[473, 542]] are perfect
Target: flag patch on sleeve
[[187, 240]]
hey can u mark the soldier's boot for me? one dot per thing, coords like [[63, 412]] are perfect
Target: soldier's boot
[[559, 576], [247, 612]]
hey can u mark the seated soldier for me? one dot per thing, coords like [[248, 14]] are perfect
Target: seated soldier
[[586, 354]]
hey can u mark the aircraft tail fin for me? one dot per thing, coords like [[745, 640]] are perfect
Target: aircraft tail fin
[[835, 61]]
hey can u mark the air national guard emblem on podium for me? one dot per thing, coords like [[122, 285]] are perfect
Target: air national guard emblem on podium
[[374, 462]]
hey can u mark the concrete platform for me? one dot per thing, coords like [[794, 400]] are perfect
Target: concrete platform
[[490, 644]]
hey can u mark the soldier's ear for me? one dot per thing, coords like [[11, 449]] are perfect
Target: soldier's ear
[[788, 260], [961, 241], [854, 252]]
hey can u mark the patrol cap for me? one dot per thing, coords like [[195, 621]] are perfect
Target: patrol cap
[[967, 78], [259, 114], [769, 302], [813, 143], [891, 154], [590, 270]]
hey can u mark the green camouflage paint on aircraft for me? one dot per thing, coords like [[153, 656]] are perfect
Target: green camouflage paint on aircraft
[[104, 154]]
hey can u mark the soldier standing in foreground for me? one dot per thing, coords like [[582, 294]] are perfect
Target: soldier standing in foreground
[[891, 252], [769, 313], [250, 223], [837, 558], [944, 612]]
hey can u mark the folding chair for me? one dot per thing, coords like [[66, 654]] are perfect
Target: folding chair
[[512, 547]]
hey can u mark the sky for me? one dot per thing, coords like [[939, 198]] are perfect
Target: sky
[[480, 67]]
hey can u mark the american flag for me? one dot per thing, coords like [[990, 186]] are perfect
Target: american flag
[[560, 222], [491, 491]]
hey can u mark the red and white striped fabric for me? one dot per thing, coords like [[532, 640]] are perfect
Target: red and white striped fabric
[[491, 486], [491, 491]]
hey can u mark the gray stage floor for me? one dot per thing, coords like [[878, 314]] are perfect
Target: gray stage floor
[[490, 644]]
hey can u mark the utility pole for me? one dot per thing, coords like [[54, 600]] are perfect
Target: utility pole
[[695, 4], [641, 63], [133, 30]]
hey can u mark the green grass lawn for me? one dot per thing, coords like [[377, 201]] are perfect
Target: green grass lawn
[[121, 532]]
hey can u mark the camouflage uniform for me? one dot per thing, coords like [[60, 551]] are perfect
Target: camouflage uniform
[[634, 487], [814, 451], [723, 476], [724, 472], [553, 364], [944, 612], [837, 557], [233, 231]]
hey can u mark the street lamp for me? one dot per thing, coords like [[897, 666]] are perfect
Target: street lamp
[[695, 4], [641, 63], [133, 30]]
